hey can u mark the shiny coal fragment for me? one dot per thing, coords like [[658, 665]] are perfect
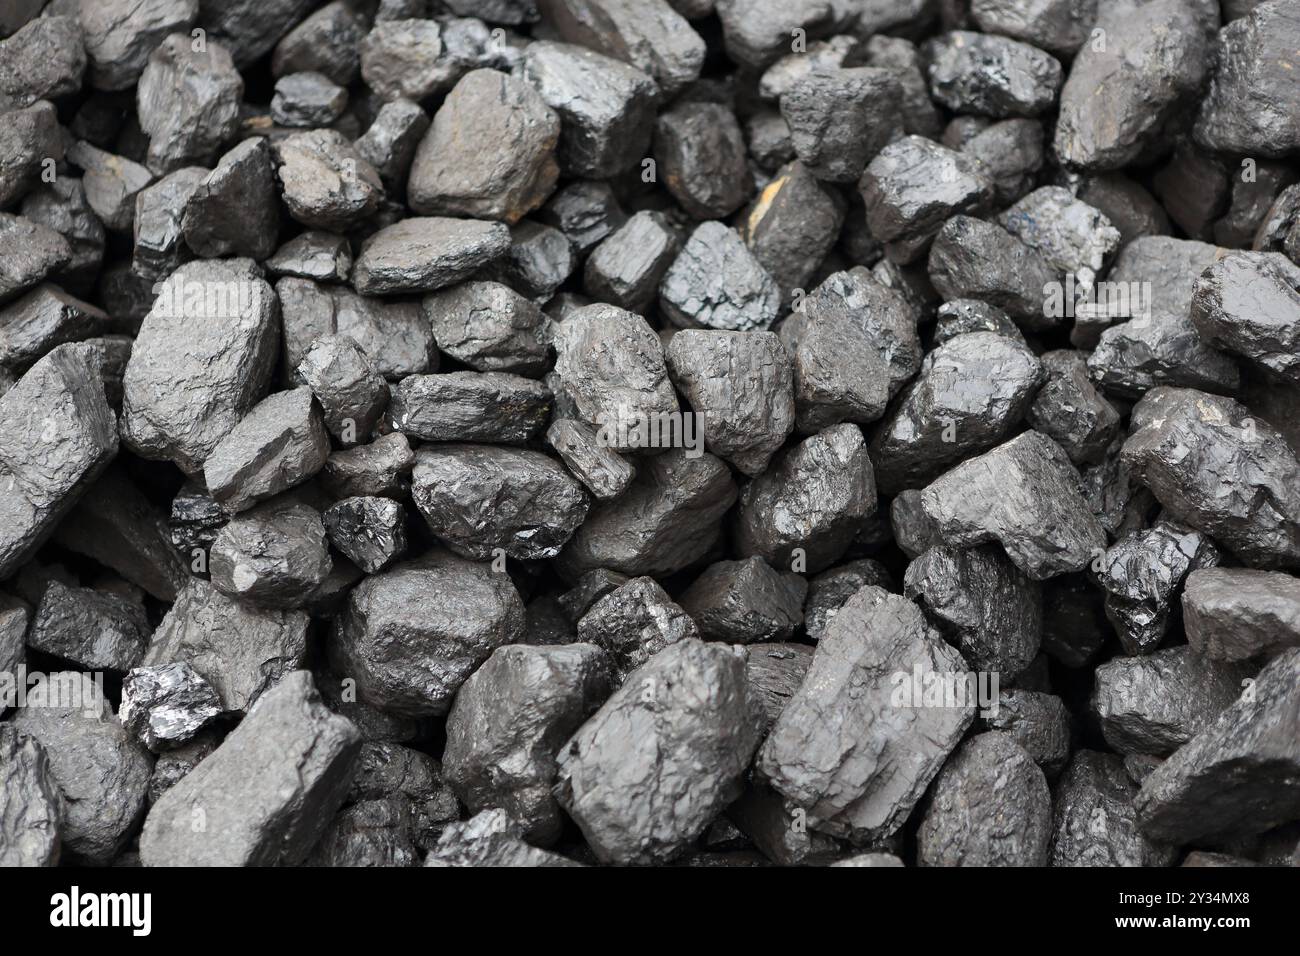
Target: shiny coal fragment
[[31, 805], [586, 211], [973, 259], [325, 42], [839, 373], [97, 630], [901, 57], [1070, 235], [840, 119], [1058, 26], [307, 100], [716, 282], [470, 406], [702, 152], [273, 556], [386, 770], [370, 532], [768, 136], [741, 602], [42, 319], [426, 254], [1249, 304], [382, 467], [1130, 208], [991, 75], [1094, 822], [63, 207], [158, 226], [539, 261], [1069, 409], [960, 316], [821, 56], [1038, 722], [604, 472], [167, 705], [1011, 154], [379, 832], [1236, 614], [233, 211], [398, 57], [390, 142], [489, 327], [120, 34], [626, 268], [489, 839], [319, 256], [347, 384], [188, 102], [326, 182], [633, 623]]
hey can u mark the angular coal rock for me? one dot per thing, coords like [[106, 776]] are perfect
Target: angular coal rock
[[188, 102], [397, 60], [1094, 822], [326, 42], [840, 119], [838, 371], [828, 591], [1038, 722], [279, 444], [1142, 574], [667, 519], [489, 839], [912, 187], [194, 521], [351, 392], [490, 152], [165, 706], [43, 318], [900, 56], [973, 259], [1011, 154], [63, 207], [39, 252], [266, 793], [481, 499], [633, 623], [201, 361], [1069, 410], [803, 512], [370, 531], [158, 226], [1059, 26], [274, 556], [31, 806], [739, 385], [29, 140], [989, 806], [649, 34], [1071, 235], [821, 56], [843, 750], [489, 327], [319, 256], [101, 772], [589, 589], [1155, 704], [1024, 495], [1249, 304], [774, 672], [509, 721], [239, 649], [1211, 464], [470, 406], [56, 437], [413, 634], [327, 184], [1130, 208], [1254, 67], [378, 832], [604, 472], [702, 152], [307, 100], [991, 75], [745, 601], [756, 33], [971, 393], [234, 211], [979, 599], [96, 630], [426, 254], [626, 268], [1235, 614], [45, 60], [120, 34], [381, 468], [768, 136], [1235, 777], [1194, 188], [1152, 63], [1279, 230], [791, 226], [643, 793], [585, 211], [961, 316], [388, 770], [390, 142], [111, 183], [716, 282], [539, 261]]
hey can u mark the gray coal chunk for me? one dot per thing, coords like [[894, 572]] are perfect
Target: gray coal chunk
[[413, 634], [250, 31], [1024, 495], [188, 102], [1011, 154], [326, 42], [390, 142], [14, 615], [1236, 614], [111, 183], [370, 531], [234, 211], [307, 100], [1058, 26], [489, 839], [388, 770], [31, 805], [120, 34], [589, 589], [489, 327], [702, 152], [30, 142], [803, 512], [983, 603], [1038, 722], [194, 521], [649, 34], [1094, 822], [396, 60], [39, 252], [991, 75], [1234, 778], [1071, 235], [1211, 464], [647, 774], [1157, 703], [326, 182], [45, 60], [1153, 63], [716, 282], [989, 806], [838, 371], [1130, 208], [274, 556], [1253, 66], [586, 211], [158, 226], [842, 750], [42, 319], [756, 33], [912, 187], [901, 57], [96, 630], [539, 261], [1280, 228], [1070, 410], [281, 443], [774, 672], [239, 649], [606, 107], [768, 136], [1252, 198], [740, 387], [490, 152], [767, 820], [56, 437], [970, 395], [509, 721], [960, 316], [202, 359], [828, 591], [973, 259], [470, 406], [741, 602], [167, 705], [426, 254], [791, 226], [379, 832], [1249, 304], [1142, 574], [316, 255], [63, 207], [610, 365], [382, 467], [266, 794], [1194, 188], [347, 384], [820, 56], [482, 499], [604, 472], [840, 119], [633, 623], [101, 771]]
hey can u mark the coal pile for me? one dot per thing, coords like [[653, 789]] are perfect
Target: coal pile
[[649, 432]]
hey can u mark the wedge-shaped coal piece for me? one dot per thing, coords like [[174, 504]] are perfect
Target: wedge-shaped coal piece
[[31, 806], [235, 210], [37, 252], [369, 531], [1249, 304], [120, 34], [1094, 822], [1235, 614], [841, 118], [605, 473], [991, 75], [1011, 154], [1059, 26], [327, 184], [973, 259], [188, 102], [326, 42], [158, 226], [839, 374], [470, 406], [274, 555], [1069, 409], [112, 183], [1071, 235], [381, 468], [97, 630], [1038, 722], [633, 623], [166, 705], [307, 100], [316, 255], [716, 282], [791, 226], [960, 316], [347, 384], [540, 259], [745, 601], [489, 327], [425, 254], [702, 152]]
